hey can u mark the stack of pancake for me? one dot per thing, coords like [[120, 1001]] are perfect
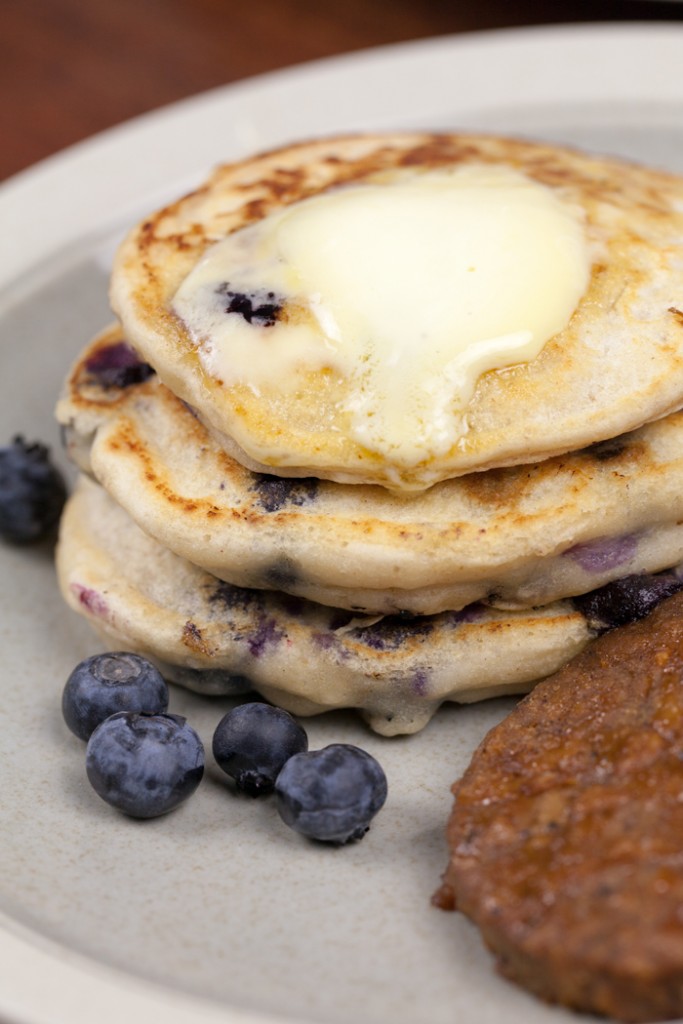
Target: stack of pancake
[[268, 502]]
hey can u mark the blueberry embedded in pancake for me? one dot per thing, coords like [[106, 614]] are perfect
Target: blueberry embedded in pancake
[[114, 364], [275, 493], [262, 308], [627, 600], [101, 379]]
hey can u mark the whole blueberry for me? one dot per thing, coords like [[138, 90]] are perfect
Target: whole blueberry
[[144, 765], [252, 742], [32, 492], [103, 684], [331, 794]]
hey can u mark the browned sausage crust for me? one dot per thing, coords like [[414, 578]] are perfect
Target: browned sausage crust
[[566, 836]]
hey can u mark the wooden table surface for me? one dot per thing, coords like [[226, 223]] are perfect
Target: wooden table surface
[[70, 68]]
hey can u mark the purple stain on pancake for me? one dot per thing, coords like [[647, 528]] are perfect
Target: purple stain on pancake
[[420, 683], [91, 600], [326, 641], [274, 493], [603, 554], [470, 613], [117, 366], [267, 634]]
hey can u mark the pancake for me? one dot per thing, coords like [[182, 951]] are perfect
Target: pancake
[[215, 638], [516, 537], [615, 365]]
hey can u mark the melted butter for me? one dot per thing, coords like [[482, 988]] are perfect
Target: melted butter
[[409, 288]]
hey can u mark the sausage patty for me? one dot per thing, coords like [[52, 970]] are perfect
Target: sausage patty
[[566, 837]]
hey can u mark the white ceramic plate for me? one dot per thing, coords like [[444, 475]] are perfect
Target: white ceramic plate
[[218, 912]]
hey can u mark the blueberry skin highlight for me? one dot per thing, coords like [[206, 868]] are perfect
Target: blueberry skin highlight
[[104, 684], [252, 742], [32, 492], [144, 765], [331, 794]]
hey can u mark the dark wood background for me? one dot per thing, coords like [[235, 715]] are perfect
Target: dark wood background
[[69, 68]]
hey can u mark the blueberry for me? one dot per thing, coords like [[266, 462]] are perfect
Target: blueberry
[[626, 600], [259, 307], [32, 492], [252, 743], [106, 683], [118, 366], [144, 765], [331, 794]]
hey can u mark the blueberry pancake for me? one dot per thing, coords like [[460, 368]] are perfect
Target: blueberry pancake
[[403, 309], [219, 639], [514, 537]]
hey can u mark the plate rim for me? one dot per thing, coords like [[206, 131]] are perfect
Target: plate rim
[[71, 982]]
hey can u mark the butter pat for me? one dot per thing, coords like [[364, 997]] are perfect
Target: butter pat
[[409, 288]]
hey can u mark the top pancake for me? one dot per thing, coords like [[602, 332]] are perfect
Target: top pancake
[[616, 365]]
